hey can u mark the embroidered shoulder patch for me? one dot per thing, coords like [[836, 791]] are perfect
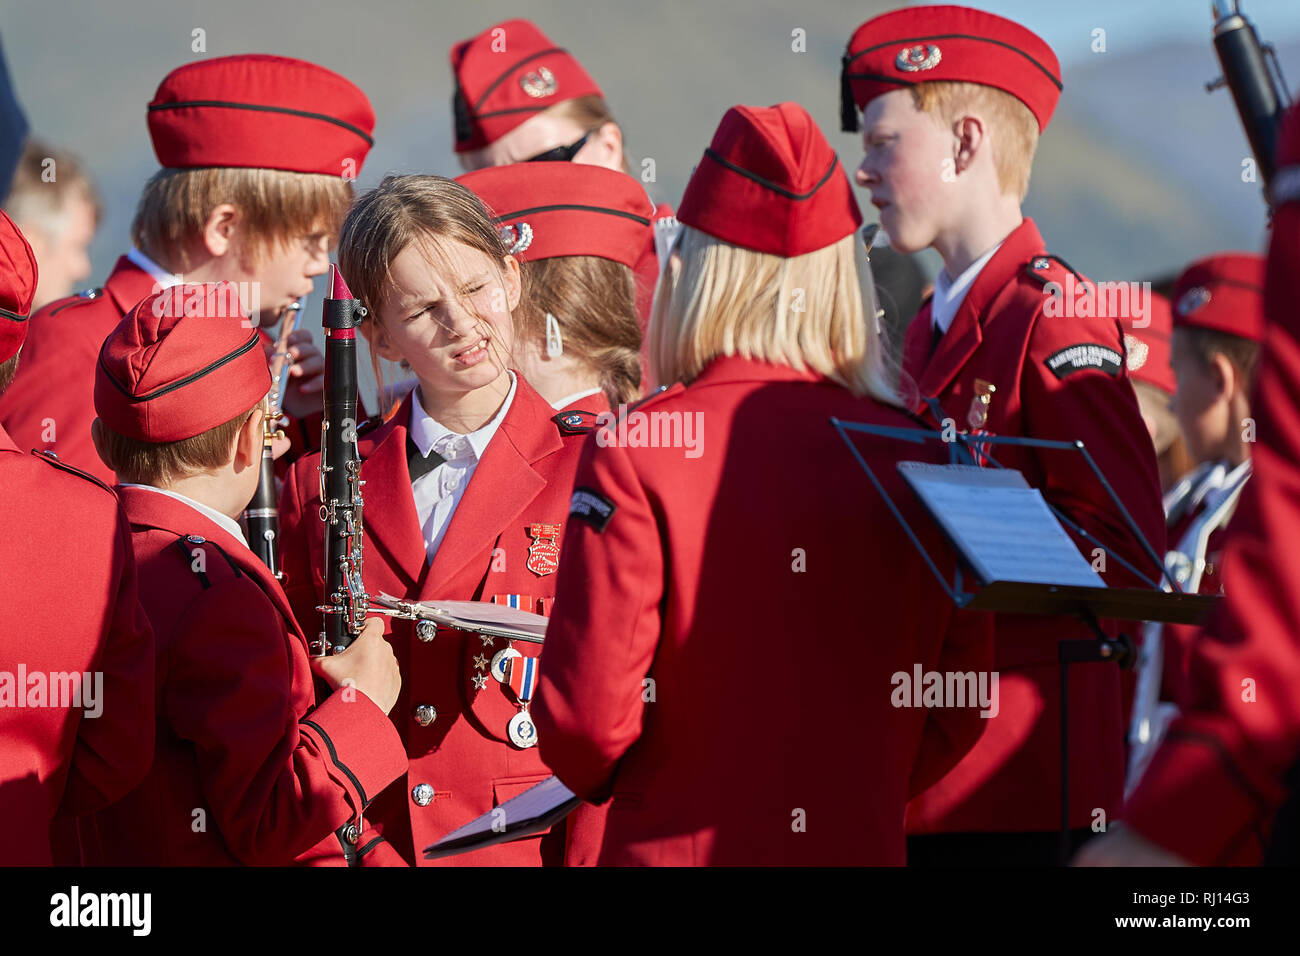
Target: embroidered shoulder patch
[[1084, 356], [592, 507], [576, 422]]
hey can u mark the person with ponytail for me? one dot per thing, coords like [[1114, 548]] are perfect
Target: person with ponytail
[[578, 231]]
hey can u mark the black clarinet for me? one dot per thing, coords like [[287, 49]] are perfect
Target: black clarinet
[[346, 602], [1245, 63], [262, 516]]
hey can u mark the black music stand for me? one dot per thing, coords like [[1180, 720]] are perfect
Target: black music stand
[[1089, 604]]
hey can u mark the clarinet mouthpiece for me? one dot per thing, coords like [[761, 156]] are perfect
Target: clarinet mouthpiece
[[338, 287]]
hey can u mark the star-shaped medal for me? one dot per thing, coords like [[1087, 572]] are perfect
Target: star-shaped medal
[[480, 662], [487, 641], [479, 680]]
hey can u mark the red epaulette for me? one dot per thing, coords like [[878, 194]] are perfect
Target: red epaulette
[[53, 459]]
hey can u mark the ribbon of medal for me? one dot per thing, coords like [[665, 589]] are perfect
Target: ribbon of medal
[[521, 674], [978, 416]]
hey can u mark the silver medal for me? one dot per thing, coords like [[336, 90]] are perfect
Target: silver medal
[[499, 659], [522, 732]]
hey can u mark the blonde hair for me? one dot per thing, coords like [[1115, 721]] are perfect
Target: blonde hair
[[276, 207], [402, 210], [594, 302], [589, 112], [1011, 125], [35, 201], [161, 463], [805, 312]]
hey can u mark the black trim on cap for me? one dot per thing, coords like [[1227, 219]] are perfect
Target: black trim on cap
[[23, 318], [187, 380], [460, 115], [767, 184], [515, 109], [262, 108], [946, 36], [502, 78], [576, 207], [848, 106]]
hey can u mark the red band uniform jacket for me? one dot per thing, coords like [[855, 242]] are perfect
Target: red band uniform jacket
[[461, 763], [64, 538], [246, 770], [729, 624], [1230, 760], [1045, 388], [51, 402]]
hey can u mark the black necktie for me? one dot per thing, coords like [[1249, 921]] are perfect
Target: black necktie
[[936, 334], [418, 465]]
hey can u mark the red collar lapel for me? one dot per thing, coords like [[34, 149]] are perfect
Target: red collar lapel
[[965, 334], [127, 284], [388, 513], [503, 484]]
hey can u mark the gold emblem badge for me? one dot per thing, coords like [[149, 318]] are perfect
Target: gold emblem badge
[[544, 552], [979, 404]]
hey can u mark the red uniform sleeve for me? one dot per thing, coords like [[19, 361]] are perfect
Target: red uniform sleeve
[[115, 750], [276, 785], [604, 628], [950, 732], [1100, 410], [1215, 784]]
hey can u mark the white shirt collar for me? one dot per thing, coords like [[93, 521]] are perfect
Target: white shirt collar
[[950, 293], [160, 275], [568, 400], [430, 434], [225, 522]]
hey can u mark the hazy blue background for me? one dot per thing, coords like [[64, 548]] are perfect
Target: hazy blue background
[[1139, 173]]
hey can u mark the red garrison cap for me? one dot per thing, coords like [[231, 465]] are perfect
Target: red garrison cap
[[505, 75], [925, 44], [1223, 292], [546, 210], [182, 361], [770, 182], [263, 111], [1146, 345], [17, 287]]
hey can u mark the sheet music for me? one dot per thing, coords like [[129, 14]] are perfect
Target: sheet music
[[1001, 526], [469, 613], [535, 809]]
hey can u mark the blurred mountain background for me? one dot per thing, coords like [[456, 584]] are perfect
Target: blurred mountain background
[[1139, 172]]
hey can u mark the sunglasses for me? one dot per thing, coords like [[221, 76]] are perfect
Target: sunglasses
[[561, 154]]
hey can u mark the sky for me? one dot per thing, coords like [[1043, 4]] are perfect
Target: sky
[[1068, 24]]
